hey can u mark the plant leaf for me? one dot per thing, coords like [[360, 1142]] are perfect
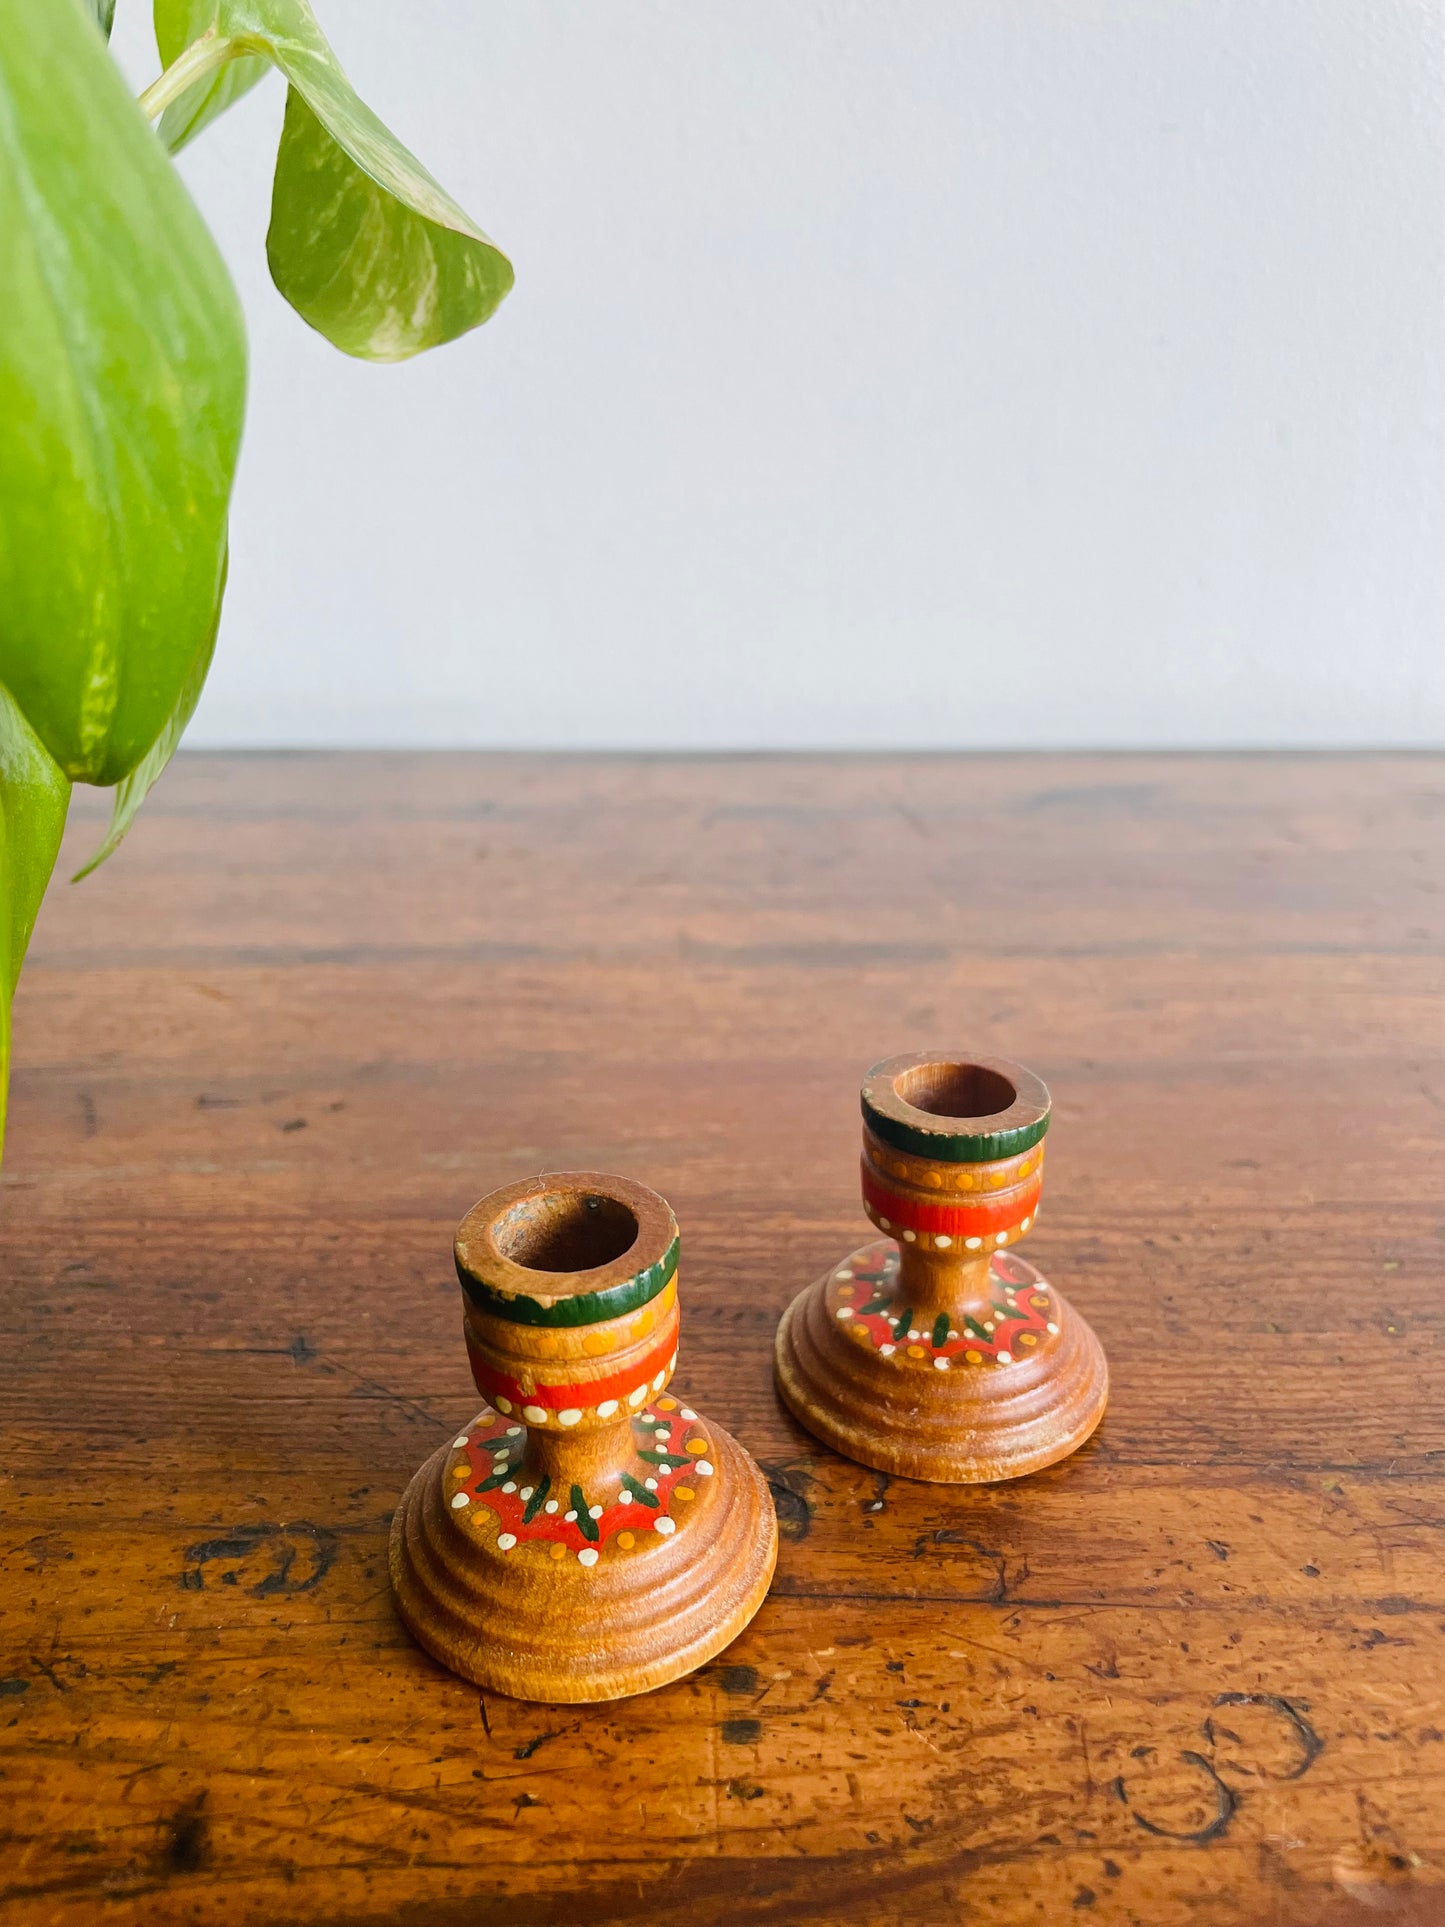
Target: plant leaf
[[177, 24], [34, 796], [133, 790], [363, 243], [122, 387], [104, 11]]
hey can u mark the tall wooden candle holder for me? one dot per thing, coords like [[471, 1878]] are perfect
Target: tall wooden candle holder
[[587, 1536], [939, 1353]]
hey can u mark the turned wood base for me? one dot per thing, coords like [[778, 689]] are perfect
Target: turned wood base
[[932, 1401], [565, 1609]]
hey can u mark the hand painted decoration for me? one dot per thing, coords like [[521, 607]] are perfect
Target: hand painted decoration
[[940, 1354], [588, 1536]]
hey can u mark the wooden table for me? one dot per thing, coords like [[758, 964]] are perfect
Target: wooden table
[[318, 1004]]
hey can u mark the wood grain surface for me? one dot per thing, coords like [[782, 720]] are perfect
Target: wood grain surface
[[1192, 1677]]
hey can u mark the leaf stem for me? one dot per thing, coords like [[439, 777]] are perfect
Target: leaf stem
[[202, 57]]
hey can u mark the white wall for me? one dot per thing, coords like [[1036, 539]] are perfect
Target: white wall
[[898, 372]]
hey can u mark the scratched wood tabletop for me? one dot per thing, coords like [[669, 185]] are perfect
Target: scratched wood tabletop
[[269, 1056]]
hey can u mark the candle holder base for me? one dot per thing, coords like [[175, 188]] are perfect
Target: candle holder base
[[1003, 1396], [531, 1592]]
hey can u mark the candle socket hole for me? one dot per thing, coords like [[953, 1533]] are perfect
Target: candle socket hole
[[566, 1231], [963, 1091]]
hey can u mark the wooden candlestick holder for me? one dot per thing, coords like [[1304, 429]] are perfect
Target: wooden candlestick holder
[[587, 1536], [938, 1353]]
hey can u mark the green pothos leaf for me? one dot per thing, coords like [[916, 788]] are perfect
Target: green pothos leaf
[[365, 245], [34, 797], [133, 790], [104, 11], [122, 386], [177, 24]]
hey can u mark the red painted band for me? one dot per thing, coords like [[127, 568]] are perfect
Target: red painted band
[[954, 1220], [556, 1398]]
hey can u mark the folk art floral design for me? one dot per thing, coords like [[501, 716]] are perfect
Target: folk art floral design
[[864, 1295], [672, 1453]]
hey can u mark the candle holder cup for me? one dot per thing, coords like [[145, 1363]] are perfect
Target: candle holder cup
[[939, 1353], [587, 1536]]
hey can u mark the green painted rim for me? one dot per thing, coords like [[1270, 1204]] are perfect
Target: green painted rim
[[587, 1308], [954, 1147]]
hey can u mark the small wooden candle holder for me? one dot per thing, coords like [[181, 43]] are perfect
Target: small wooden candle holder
[[939, 1353], [587, 1536]]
